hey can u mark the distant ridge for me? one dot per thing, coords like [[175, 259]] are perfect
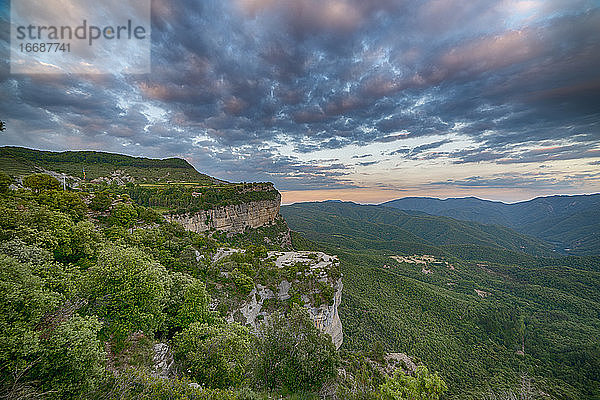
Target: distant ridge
[[570, 223], [388, 228]]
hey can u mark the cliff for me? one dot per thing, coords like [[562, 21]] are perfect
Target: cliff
[[311, 279], [234, 218], [316, 284]]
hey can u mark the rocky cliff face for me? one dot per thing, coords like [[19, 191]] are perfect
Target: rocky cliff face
[[233, 218], [318, 287], [311, 279]]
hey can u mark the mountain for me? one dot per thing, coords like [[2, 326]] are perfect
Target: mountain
[[570, 223], [388, 228], [459, 297], [20, 161]]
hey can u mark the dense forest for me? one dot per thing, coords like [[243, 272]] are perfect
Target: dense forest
[[569, 223], [91, 283], [481, 315]]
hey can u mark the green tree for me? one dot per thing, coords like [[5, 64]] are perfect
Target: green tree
[[294, 354], [216, 356], [194, 307], [126, 289], [124, 215], [101, 201], [38, 182], [23, 304], [72, 359], [422, 386], [243, 282], [378, 351], [5, 182]]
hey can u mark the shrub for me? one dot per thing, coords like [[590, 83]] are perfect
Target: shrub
[[5, 182], [73, 359], [38, 182], [216, 356], [194, 307], [127, 291], [422, 386], [124, 215], [294, 354], [101, 201]]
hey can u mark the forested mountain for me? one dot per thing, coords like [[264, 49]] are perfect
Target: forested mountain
[[102, 297], [570, 223], [20, 161], [97, 280], [368, 226], [482, 316]]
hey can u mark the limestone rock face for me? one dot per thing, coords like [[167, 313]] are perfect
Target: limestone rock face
[[163, 361], [233, 218], [257, 308], [329, 317]]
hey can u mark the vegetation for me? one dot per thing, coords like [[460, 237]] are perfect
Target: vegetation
[[90, 281], [421, 386], [18, 161], [382, 228], [493, 316], [294, 354], [186, 199], [568, 222]]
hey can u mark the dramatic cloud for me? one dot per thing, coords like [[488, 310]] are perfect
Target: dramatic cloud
[[276, 90]]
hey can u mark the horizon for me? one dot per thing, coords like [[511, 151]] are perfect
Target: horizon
[[321, 195], [361, 101], [283, 203]]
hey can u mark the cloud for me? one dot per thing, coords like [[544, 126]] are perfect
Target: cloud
[[526, 181], [253, 89], [429, 146]]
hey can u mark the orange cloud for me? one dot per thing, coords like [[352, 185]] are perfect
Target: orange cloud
[[493, 52]]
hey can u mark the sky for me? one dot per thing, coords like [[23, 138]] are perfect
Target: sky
[[343, 99]]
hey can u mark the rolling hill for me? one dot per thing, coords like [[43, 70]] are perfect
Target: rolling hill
[[482, 314], [391, 229], [570, 223], [19, 161]]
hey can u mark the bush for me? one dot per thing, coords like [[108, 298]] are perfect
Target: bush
[[124, 215], [137, 385], [23, 305], [243, 282], [73, 359], [5, 182], [38, 182], [101, 201], [422, 386], [194, 307], [294, 354], [126, 290], [217, 356]]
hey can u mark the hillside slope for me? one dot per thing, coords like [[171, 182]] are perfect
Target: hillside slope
[[480, 323], [20, 161], [388, 228], [570, 223]]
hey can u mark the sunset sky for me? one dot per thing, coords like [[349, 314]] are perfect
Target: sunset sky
[[343, 99]]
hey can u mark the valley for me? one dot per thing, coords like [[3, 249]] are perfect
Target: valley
[[182, 282]]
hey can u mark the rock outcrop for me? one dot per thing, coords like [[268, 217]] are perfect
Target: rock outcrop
[[320, 268], [232, 218], [163, 363]]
